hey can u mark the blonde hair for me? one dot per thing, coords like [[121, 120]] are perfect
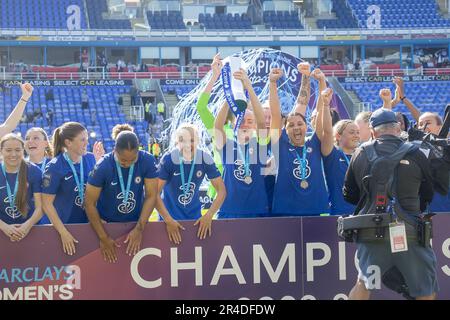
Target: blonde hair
[[22, 190], [48, 151], [187, 127], [339, 128], [363, 116]]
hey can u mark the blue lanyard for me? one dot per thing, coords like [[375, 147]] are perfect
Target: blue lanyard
[[246, 159], [11, 197], [185, 186], [78, 181], [302, 162], [43, 164], [122, 184]]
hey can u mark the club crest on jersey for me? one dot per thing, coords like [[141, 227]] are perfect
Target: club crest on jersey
[[137, 180], [199, 173]]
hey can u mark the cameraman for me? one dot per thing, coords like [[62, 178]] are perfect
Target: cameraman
[[414, 189], [431, 123]]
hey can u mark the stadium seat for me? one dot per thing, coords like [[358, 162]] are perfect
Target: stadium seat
[[400, 13]]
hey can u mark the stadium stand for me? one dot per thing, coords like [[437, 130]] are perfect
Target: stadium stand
[[344, 15], [401, 13], [96, 21], [38, 14], [427, 96], [66, 106], [166, 20], [224, 21], [179, 90], [282, 20]]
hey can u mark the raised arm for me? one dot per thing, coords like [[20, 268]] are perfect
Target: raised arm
[[318, 75], [326, 145], [14, 118], [219, 132], [386, 97], [202, 104], [402, 97], [256, 104], [274, 103], [305, 88]]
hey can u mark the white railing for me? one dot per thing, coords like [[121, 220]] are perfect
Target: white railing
[[95, 72], [200, 74], [314, 34], [387, 72], [137, 113]]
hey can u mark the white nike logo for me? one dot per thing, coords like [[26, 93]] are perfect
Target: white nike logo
[[113, 183], [291, 149], [177, 174], [340, 159], [2, 187], [67, 178]]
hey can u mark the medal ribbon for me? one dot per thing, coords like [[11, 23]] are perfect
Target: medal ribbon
[[184, 186], [79, 181], [11, 197], [126, 191], [246, 159]]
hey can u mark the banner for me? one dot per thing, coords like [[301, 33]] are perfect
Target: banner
[[179, 82], [78, 83], [272, 258], [418, 78]]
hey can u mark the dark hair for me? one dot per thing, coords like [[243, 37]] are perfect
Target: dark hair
[[126, 140], [118, 128], [68, 130], [405, 119], [293, 114], [22, 189]]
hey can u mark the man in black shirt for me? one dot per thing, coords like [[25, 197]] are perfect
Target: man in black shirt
[[414, 190]]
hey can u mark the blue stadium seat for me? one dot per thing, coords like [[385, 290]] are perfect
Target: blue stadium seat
[[421, 13]]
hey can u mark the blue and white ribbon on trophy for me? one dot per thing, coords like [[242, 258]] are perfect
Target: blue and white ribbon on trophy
[[234, 91]]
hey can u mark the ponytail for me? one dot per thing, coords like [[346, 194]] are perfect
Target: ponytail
[[68, 130], [22, 192], [57, 142]]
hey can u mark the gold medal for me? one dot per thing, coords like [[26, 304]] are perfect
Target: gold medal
[[248, 180], [304, 184]]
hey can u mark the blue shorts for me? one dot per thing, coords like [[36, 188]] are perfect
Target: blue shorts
[[417, 265]]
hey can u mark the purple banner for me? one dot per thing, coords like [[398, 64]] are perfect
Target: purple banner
[[273, 258]]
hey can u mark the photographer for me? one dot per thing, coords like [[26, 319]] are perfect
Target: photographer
[[431, 136], [388, 168]]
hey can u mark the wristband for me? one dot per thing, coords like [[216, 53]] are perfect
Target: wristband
[[21, 99], [403, 98]]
